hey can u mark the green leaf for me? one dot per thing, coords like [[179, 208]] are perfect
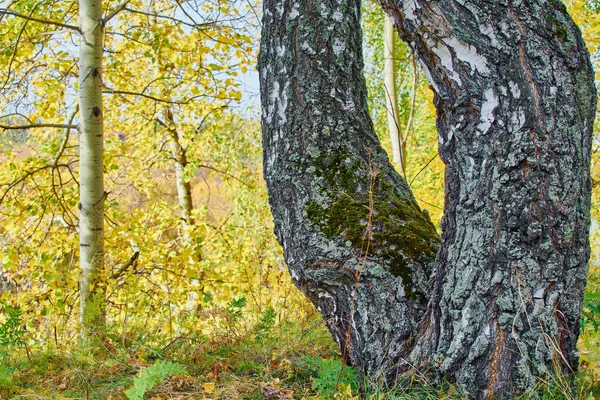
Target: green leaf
[[152, 376]]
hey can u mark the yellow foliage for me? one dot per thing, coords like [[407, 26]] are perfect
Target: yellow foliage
[[184, 279]]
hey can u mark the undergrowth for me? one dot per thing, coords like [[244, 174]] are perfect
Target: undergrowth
[[269, 360]]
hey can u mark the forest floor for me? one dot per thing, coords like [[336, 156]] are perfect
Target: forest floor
[[285, 361]]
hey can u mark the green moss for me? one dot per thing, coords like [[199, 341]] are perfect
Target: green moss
[[560, 30], [400, 235]]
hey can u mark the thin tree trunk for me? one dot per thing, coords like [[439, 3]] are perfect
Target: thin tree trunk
[[391, 96], [515, 96], [411, 111], [178, 152], [91, 203], [184, 189]]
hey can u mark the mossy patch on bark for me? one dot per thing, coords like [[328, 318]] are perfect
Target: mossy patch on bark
[[560, 29], [365, 210]]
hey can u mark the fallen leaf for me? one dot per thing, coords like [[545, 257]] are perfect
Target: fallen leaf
[[270, 392], [209, 387], [214, 371]]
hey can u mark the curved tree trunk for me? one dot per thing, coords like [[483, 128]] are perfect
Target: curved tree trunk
[[178, 152], [515, 96], [355, 240]]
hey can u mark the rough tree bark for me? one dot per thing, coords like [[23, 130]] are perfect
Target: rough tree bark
[[496, 304], [91, 182]]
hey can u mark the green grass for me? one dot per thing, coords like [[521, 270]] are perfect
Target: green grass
[[291, 359], [239, 369]]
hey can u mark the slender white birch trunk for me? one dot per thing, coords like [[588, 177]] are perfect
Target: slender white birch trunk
[[391, 97], [179, 156], [411, 113], [91, 206], [184, 189]]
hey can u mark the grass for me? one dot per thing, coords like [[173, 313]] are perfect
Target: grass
[[217, 367], [290, 360]]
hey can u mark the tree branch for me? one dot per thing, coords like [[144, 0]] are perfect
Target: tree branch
[[182, 102], [42, 125], [160, 122], [16, 50], [26, 175], [423, 169], [413, 99], [225, 173], [8, 6], [126, 266], [66, 139], [114, 12], [125, 92], [177, 20], [4, 11]]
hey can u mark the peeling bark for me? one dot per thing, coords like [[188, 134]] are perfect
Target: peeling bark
[[515, 95], [355, 240], [514, 92]]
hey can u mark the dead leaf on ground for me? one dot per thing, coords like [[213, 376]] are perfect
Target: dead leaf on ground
[[209, 387], [178, 383], [64, 384], [214, 372], [270, 392]]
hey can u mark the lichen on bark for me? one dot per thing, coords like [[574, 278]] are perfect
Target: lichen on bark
[[515, 96], [321, 158], [370, 217]]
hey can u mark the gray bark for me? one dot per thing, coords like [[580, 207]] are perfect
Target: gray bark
[[515, 97], [91, 183], [355, 240]]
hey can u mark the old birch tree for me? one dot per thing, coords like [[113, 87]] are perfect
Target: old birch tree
[[494, 303]]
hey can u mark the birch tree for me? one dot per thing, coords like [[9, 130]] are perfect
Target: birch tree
[[91, 181], [494, 303], [190, 45], [391, 97]]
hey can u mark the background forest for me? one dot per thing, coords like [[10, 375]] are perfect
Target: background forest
[[197, 299]]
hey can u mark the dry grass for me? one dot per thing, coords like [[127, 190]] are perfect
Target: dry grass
[[274, 367]]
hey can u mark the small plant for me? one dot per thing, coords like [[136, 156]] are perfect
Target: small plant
[[151, 376], [265, 324], [234, 314], [11, 335], [11, 331], [331, 374], [5, 375], [590, 316], [234, 309]]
